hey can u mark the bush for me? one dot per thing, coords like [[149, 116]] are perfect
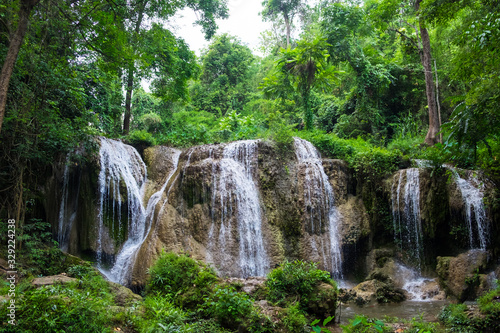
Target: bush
[[294, 320], [161, 315], [455, 318], [228, 306], [187, 279], [295, 280], [62, 308], [141, 138]]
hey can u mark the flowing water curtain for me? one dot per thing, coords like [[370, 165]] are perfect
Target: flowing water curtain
[[126, 258], [406, 215], [322, 216], [69, 204], [478, 224], [121, 212], [235, 193]]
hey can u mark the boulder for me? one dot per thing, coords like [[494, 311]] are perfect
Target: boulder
[[322, 301], [51, 280], [123, 295], [460, 276]]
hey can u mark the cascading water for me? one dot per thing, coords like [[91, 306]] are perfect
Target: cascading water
[[121, 169], [126, 258], [235, 192], [320, 205], [475, 213], [406, 215], [67, 215]]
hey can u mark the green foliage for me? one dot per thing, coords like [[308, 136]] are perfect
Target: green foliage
[[161, 315], [228, 306], [182, 277], [141, 138], [38, 254], [293, 320], [225, 81], [454, 317], [62, 308], [370, 162], [363, 324], [82, 271], [317, 329], [295, 281]]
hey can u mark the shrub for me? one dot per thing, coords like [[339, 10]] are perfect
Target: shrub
[[61, 308], [294, 320], [454, 316], [161, 315], [295, 280], [141, 138], [182, 276], [81, 271], [228, 306]]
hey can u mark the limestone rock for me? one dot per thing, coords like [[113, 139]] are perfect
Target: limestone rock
[[51, 280], [366, 292], [323, 301], [123, 295], [458, 275], [250, 285]]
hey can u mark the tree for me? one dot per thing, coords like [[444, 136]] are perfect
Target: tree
[[306, 67], [161, 10], [225, 76], [286, 8], [473, 30], [399, 17], [16, 40]]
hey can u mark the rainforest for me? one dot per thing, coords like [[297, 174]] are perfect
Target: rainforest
[[341, 175]]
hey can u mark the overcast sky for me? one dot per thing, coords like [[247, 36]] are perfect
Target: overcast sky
[[244, 21]]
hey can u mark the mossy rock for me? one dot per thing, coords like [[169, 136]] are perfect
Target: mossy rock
[[389, 294], [322, 302], [123, 296]]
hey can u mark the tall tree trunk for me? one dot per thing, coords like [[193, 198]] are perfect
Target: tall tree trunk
[[14, 46], [131, 72], [128, 100], [288, 29], [431, 138]]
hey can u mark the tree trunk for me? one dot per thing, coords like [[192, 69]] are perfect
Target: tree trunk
[[128, 100], [14, 47], [288, 28], [131, 71], [431, 138]]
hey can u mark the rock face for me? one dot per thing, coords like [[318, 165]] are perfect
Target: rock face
[[246, 206], [200, 213], [460, 276]]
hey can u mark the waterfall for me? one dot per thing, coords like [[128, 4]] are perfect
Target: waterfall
[[319, 202], [235, 192], [67, 214], [406, 215], [121, 169], [475, 213], [122, 269]]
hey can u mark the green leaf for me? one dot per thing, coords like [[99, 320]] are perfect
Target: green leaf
[[327, 320]]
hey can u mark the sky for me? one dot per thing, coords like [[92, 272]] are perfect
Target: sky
[[244, 22]]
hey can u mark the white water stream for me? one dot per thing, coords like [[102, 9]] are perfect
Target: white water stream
[[235, 192], [319, 202]]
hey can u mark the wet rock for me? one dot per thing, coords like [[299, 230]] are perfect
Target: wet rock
[[322, 301], [459, 276], [366, 292], [250, 285]]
